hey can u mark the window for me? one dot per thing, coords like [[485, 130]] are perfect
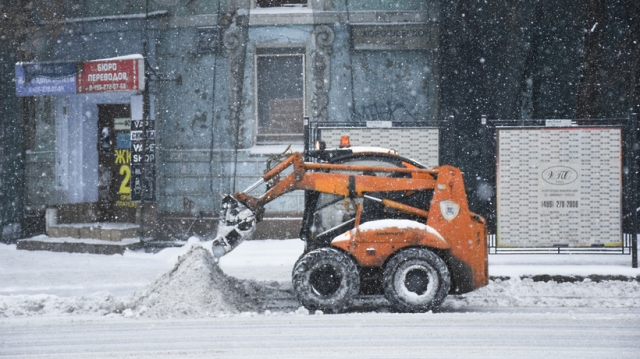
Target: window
[[273, 3], [328, 215], [280, 94]]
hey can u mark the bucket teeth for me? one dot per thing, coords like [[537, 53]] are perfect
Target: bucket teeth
[[237, 223]]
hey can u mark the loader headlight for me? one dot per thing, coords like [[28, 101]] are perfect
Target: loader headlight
[[449, 210]]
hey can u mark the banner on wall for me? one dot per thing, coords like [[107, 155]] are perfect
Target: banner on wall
[[125, 73], [397, 36], [559, 187], [143, 151], [422, 143], [45, 79], [108, 75]]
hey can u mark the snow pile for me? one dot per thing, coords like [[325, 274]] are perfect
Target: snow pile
[[195, 287], [517, 292]]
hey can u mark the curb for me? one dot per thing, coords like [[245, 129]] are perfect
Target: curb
[[597, 278]]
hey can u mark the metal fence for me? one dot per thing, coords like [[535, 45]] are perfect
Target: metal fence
[[598, 183], [624, 223]]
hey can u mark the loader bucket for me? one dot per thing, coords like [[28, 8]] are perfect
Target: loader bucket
[[237, 223]]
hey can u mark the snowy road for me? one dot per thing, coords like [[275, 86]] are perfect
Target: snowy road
[[566, 334], [61, 305]]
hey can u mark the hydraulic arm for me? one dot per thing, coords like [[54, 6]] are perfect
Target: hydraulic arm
[[241, 211]]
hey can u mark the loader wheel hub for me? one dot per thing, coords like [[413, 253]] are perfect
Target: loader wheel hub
[[416, 281], [325, 280]]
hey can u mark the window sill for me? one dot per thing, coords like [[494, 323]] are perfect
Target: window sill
[[272, 149], [281, 16], [281, 10]]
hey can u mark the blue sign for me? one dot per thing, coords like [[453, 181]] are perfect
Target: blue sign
[[45, 79], [123, 140]]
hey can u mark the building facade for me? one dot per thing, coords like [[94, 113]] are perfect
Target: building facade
[[230, 84]]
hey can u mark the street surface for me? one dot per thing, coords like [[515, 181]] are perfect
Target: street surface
[[61, 305], [521, 334]]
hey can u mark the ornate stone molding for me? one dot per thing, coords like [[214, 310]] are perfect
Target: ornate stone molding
[[323, 36], [234, 41]]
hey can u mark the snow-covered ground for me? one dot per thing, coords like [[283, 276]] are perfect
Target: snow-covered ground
[[75, 274], [50, 283], [178, 303]]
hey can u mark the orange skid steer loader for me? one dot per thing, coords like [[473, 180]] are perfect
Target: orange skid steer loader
[[374, 223]]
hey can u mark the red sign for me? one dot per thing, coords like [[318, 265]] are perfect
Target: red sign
[[111, 75]]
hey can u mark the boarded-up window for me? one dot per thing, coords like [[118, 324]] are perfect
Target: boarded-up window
[[280, 95]]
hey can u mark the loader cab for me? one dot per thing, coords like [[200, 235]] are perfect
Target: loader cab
[[327, 215]]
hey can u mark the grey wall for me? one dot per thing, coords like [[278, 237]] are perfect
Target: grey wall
[[200, 139], [11, 152], [509, 59]]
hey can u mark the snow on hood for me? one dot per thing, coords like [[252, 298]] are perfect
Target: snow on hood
[[366, 149], [387, 223]]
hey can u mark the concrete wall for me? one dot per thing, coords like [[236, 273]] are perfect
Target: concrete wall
[[12, 167], [505, 60], [41, 155], [205, 100], [199, 134]]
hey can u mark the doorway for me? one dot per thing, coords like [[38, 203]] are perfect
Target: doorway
[[114, 157]]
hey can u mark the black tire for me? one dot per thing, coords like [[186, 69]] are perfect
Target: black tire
[[416, 280], [326, 279]]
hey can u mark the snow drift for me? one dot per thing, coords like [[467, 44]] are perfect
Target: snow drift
[[197, 287], [525, 292]]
